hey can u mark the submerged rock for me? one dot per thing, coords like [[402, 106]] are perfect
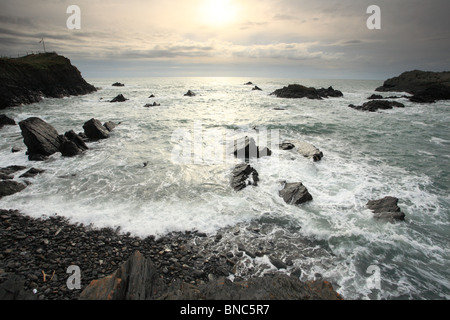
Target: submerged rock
[[286, 146], [119, 98], [41, 138], [386, 208], [189, 94], [243, 175], [295, 193], [9, 187], [296, 91], [154, 104], [6, 121], [375, 105], [31, 173], [109, 125]]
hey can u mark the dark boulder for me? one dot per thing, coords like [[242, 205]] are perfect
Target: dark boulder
[[41, 138], [9, 187], [257, 88], [243, 175], [72, 144], [152, 96], [154, 104], [248, 83], [11, 169], [119, 98], [386, 209], [14, 289], [118, 84], [295, 91], [189, 94], [6, 121], [94, 130], [375, 105], [375, 96], [295, 193]]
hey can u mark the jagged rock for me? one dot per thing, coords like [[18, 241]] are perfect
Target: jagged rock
[[246, 148], [386, 208], [189, 94], [11, 169], [242, 176], [119, 98], [72, 144], [110, 125], [94, 130], [8, 187], [308, 150], [31, 173], [6, 121], [41, 138], [375, 96], [118, 84], [136, 279], [154, 104], [277, 263], [257, 88], [295, 91], [375, 105], [152, 96], [295, 193], [248, 83]]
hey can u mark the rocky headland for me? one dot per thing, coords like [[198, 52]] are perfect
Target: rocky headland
[[425, 86], [27, 79]]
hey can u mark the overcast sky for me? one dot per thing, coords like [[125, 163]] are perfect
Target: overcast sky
[[269, 38]]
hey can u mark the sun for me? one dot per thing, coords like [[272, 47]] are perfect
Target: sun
[[218, 12]]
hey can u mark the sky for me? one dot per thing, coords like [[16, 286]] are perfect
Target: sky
[[325, 39]]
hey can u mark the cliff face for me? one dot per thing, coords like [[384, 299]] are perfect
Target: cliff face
[[27, 79]]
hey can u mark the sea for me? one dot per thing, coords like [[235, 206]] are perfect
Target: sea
[[167, 168]]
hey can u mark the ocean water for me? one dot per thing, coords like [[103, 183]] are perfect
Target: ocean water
[[185, 143]]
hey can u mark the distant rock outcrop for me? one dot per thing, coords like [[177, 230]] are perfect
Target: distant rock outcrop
[[375, 105], [118, 84], [423, 85], [293, 91], [189, 94], [27, 79], [119, 98]]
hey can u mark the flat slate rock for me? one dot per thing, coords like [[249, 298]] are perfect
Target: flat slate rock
[[295, 193], [9, 187], [386, 208]]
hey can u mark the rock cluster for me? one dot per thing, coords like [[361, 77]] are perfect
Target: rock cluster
[[300, 91], [42, 139]]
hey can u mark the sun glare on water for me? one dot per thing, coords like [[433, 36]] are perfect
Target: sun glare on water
[[218, 12]]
